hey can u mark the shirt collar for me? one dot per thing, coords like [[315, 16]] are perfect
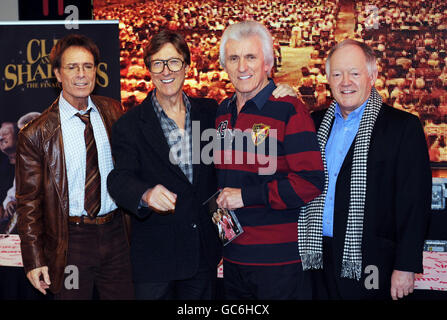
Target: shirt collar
[[261, 98], [67, 111], [158, 108], [355, 115]]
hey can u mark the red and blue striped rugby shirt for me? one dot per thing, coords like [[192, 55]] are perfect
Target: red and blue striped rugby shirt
[[271, 201]]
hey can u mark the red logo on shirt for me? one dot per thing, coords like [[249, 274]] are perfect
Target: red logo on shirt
[[259, 133]]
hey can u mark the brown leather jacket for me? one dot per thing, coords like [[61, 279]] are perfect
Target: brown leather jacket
[[42, 189]]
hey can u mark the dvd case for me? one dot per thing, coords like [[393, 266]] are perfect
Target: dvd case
[[226, 222]]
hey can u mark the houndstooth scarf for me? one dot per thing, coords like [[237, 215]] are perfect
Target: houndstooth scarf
[[310, 221]]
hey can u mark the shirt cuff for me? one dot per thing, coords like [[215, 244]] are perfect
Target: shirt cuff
[[142, 204], [253, 195]]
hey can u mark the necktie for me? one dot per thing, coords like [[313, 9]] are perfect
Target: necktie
[[92, 198]]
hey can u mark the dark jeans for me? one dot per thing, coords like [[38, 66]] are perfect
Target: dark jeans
[[284, 282], [101, 254]]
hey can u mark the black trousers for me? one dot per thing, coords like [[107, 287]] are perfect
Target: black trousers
[[201, 286], [100, 253], [324, 285], [327, 284], [284, 282]]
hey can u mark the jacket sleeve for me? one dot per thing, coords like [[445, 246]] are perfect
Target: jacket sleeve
[[305, 177], [123, 183], [413, 197], [29, 195]]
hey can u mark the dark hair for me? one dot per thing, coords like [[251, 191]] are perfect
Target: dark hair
[[72, 40], [163, 37]]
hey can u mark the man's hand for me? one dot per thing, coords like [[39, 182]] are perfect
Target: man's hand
[[283, 90], [402, 284], [230, 198], [160, 199], [34, 277], [10, 209]]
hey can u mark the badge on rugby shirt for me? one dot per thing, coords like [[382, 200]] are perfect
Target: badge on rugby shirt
[[259, 133]]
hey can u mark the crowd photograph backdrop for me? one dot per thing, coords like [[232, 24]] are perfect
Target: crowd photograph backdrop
[[408, 37]]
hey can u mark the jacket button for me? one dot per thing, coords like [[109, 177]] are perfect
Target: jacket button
[[194, 225]]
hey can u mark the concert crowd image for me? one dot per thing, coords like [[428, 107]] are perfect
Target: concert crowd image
[[409, 38]]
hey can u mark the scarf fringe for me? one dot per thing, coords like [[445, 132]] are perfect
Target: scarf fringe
[[312, 261], [351, 269]]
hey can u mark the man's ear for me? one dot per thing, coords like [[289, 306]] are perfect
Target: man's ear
[[268, 69], [58, 74], [374, 77]]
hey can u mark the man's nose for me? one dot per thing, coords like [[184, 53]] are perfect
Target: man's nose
[[166, 70], [81, 71], [242, 66], [346, 80]]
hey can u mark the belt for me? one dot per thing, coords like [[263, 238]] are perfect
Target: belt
[[98, 220]]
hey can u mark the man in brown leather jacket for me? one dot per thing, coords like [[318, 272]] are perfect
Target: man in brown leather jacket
[[67, 221]]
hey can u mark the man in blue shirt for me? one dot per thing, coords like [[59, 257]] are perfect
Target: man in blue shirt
[[366, 230]]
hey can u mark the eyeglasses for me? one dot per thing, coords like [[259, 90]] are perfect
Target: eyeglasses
[[75, 68], [174, 65]]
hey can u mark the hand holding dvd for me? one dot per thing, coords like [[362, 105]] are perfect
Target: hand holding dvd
[[230, 198], [227, 225]]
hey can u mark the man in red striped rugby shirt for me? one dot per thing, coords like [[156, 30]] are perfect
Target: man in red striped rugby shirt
[[269, 165]]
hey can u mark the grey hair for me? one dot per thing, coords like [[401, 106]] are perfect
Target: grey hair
[[244, 29], [371, 64]]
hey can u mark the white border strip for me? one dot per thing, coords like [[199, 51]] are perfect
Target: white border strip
[[52, 22]]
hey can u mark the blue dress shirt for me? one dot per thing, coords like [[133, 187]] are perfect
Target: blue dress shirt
[[340, 139]]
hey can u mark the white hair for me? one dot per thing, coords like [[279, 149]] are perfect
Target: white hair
[[371, 64], [245, 29]]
